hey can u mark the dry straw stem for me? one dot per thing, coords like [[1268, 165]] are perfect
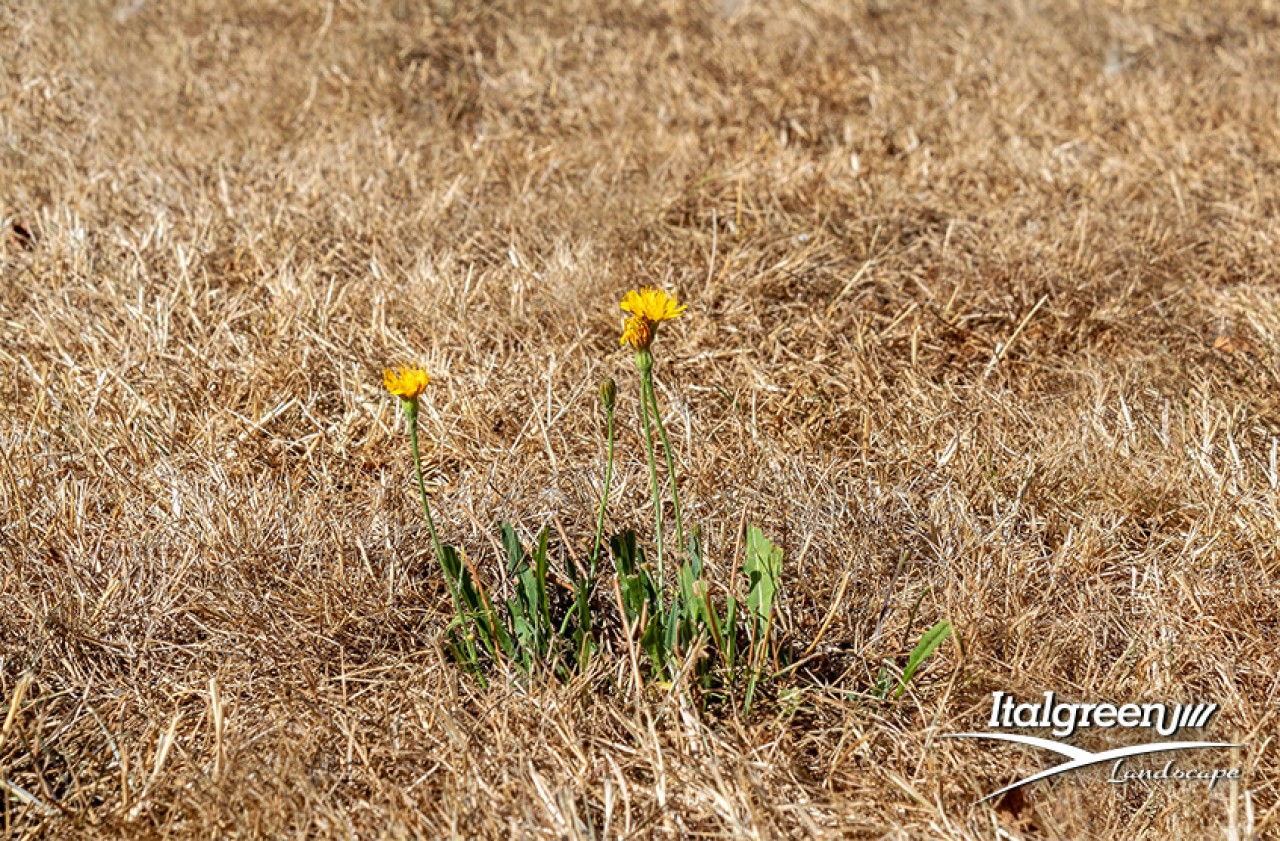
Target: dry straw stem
[[221, 220]]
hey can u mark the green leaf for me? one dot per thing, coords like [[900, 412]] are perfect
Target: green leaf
[[625, 552], [652, 642], [763, 565], [510, 542], [928, 644], [476, 617], [634, 582], [731, 635], [540, 579], [695, 550], [673, 625]]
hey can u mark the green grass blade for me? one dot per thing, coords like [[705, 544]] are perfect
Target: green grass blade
[[928, 644]]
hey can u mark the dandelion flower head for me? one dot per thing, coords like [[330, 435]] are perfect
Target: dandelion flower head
[[648, 308], [637, 332], [406, 383], [653, 305]]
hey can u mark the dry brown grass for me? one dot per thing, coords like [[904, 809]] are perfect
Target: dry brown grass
[[956, 277]]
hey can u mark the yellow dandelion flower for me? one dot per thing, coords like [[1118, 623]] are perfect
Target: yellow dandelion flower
[[406, 383], [653, 305], [637, 332], [648, 307]]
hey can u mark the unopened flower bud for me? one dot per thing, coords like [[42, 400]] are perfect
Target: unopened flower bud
[[608, 393]]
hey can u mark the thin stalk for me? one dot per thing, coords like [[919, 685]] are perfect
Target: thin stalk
[[647, 389], [411, 409], [604, 500], [653, 487]]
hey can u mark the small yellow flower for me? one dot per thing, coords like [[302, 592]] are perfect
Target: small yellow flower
[[406, 383], [637, 332], [653, 305], [648, 308]]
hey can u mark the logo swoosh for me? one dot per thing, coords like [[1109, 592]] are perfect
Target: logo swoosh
[[1079, 758]]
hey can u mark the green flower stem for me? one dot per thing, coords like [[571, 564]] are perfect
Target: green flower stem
[[652, 397], [604, 500], [411, 411], [644, 361]]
